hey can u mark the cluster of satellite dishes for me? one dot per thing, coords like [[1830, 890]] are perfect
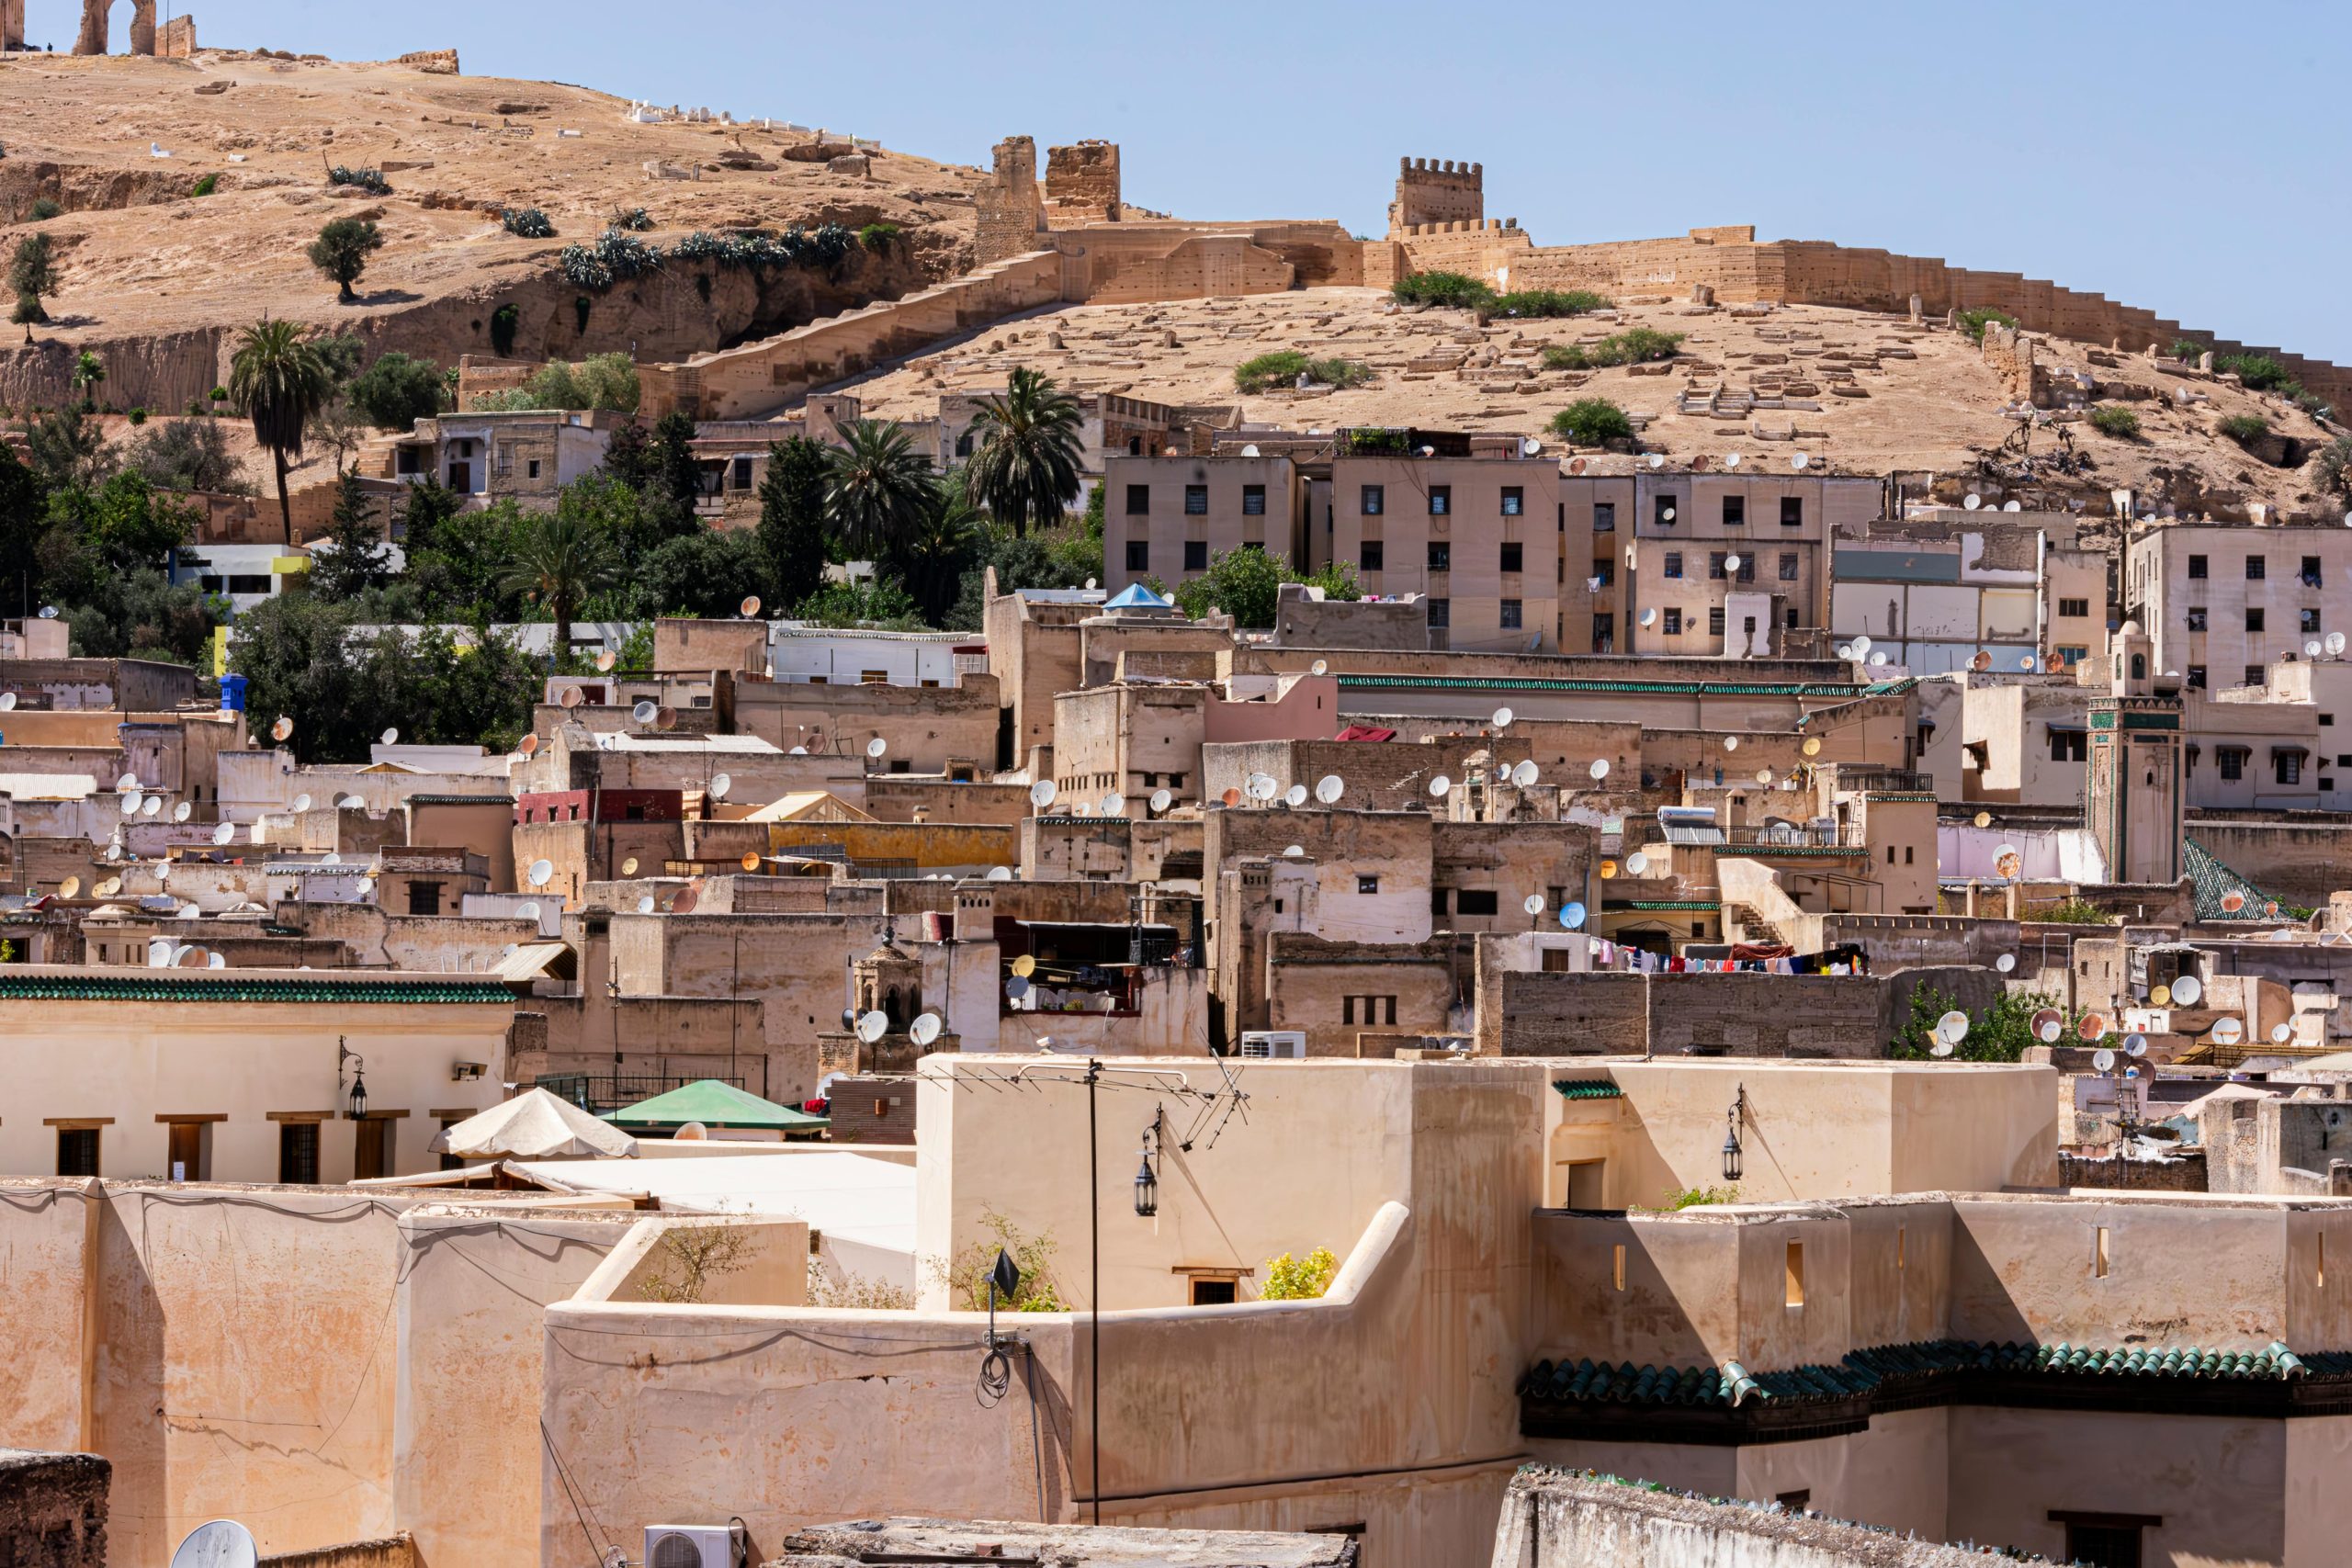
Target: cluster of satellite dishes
[[2332, 645], [162, 952], [650, 714], [1973, 501]]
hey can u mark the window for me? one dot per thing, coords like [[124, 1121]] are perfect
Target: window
[[1514, 500], [1474, 901], [2075, 607], [2256, 568], [77, 1151], [1441, 500], [2310, 620], [1662, 511], [1735, 511], [1788, 566], [1672, 623], [1791, 512], [1139, 555], [1715, 560], [1670, 564], [1604, 570], [1604, 634], [1366, 1009], [448, 1161], [742, 468], [2254, 617], [2253, 676], [1746, 572], [373, 1157], [1795, 1274], [1441, 555], [1604, 517], [1368, 885], [1196, 501], [1511, 555], [1253, 501], [249, 582], [424, 898], [188, 1151], [1371, 554], [2197, 676], [298, 1153], [1375, 500], [1511, 613], [2311, 572], [1440, 612], [2196, 567], [1213, 1293], [2069, 746], [2197, 617], [2090, 1539], [1197, 555], [1139, 500], [2232, 761], [743, 472], [2287, 766], [1714, 620], [2070, 655]]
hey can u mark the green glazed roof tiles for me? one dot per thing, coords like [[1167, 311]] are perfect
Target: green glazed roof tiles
[[1588, 1089]]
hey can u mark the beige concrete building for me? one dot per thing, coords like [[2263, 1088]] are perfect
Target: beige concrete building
[[1168, 518], [2222, 602], [1678, 591], [526, 457]]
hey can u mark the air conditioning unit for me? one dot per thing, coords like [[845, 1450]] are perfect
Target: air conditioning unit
[[695, 1546], [1274, 1045]]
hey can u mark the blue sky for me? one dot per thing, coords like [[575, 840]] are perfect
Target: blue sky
[[2184, 158]]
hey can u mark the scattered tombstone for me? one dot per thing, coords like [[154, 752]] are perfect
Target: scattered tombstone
[[1916, 308]]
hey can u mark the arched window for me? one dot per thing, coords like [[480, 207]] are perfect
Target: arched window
[[2139, 667]]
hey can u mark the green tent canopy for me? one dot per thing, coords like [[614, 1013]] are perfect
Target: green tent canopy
[[714, 1104]]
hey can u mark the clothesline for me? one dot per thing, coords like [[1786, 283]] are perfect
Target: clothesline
[[1844, 959]]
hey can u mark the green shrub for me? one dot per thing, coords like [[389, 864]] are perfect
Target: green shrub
[[527, 223], [1974, 322], [44, 209], [878, 237], [1592, 421], [2189, 348], [1453, 290], [1291, 1278], [205, 186], [397, 390], [2108, 419], [1634, 345], [29, 311], [1548, 302], [502, 323], [2332, 467], [2244, 428], [636, 220], [613, 258], [2074, 912], [1680, 1197], [1285, 366], [371, 180], [219, 394], [2257, 371], [137, 416]]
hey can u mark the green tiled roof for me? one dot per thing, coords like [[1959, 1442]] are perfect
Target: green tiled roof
[[1912, 1368], [1588, 1089], [1662, 904], [163, 986], [1670, 688], [2213, 879]]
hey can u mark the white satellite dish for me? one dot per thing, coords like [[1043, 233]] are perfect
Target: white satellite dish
[[352, 803], [183, 811], [645, 904], [1250, 450], [2006, 963], [1113, 805], [2103, 1060], [1440, 785], [2136, 1045], [152, 806], [1862, 645], [1638, 864], [390, 738], [540, 871], [132, 802], [1503, 718], [876, 746], [1529, 447], [1599, 769], [2012, 506], [1041, 794], [301, 803], [1799, 461], [1973, 501], [2281, 1034], [528, 911], [1666, 515], [1731, 459], [224, 833], [1953, 1026], [1162, 799], [2334, 643], [2310, 649], [216, 961], [873, 1026], [1294, 796], [1532, 904], [999, 874], [1731, 742], [1295, 851], [925, 1028], [719, 784], [129, 782], [1846, 651], [2187, 990], [1878, 659], [644, 711], [7, 701], [798, 751], [1523, 774], [159, 952], [1649, 617], [1731, 566], [1320, 667], [1330, 788], [1263, 787], [1657, 460]]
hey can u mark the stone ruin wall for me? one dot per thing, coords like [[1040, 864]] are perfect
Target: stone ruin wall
[[12, 23], [1082, 182], [1010, 217], [176, 39], [1433, 190]]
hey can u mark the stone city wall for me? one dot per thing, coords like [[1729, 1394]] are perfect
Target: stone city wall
[[1082, 180], [1436, 190], [53, 1509]]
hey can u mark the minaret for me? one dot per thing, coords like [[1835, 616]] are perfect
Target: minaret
[[2131, 800]]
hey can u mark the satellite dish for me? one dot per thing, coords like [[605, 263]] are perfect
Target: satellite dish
[[1666, 515], [683, 904], [1878, 661], [1162, 799], [1731, 459], [1529, 447], [191, 957], [1649, 617], [1846, 650], [352, 803], [645, 904], [2187, 990], [282, 729], [1657, 459], [2227, 1030], [541, 869], [1025, 965], [925, 1028], [1263, 787], [216, 961], [2135, 1044], [2310, 649], [49, 612], [2233, 901], [301, 803], [1250, 450], [132, 802], [1608, 869], [152, 806], [1320, 667], [643, 714], [1576, 466], [1041, 794], [606, 661], [1231, 796], [1294, 852], [1799, 461], [665, 718], [1984, 659], [1523, 776], [1114, 805], [1953, 1026], [528, 746], [1533, 904], [1294, 796], [222, 1543], [2161, 996], [1440, 786], [751, 860], [873, 1026], [719, 784], [2006, 963], [183, 811], [2334, 642], [2012, 506], [390, 738], [1016, 987], [2047, 1024], [1502, 718], [2025, 662], [1571, 916], [1764, 775], [1599, 769], [1330, 788], [1090, 585], [1731, 742], [224, 833], [999, 874], [1638, 864], [7, 701], [573, 697], [1731, 566], [1862, 645], [2283, 1033], [129, 782], [1973, 501], [876, 746], [69, 888], [629, 866], [2103, 1060], [798, 751], [1942, 1047], [159, 952], [528, 911], [2093, 1027], [749, 606]]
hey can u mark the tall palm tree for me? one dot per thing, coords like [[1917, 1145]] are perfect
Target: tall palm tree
[[878, 488], [89, 371], [1024, 467], [933, 558], [278, 379], [560, 561]]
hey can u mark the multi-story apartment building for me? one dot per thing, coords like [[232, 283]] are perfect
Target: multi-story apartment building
[[1941, 587], [2221, 601], [1169, 517], [1723, 563]]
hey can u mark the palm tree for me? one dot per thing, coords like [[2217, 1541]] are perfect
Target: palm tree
[[560, 561], [933, 558], [878, 488], [1024, 468], [279, 380], [89, 370]]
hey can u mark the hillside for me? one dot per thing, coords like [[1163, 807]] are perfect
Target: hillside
[[153, 274]]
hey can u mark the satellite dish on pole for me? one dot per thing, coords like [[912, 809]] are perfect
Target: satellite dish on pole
[[1523, 776], [1502, 718], [540, 871], [1294, 796], [1328, 789], [1441, 787], [643, 714], [1571, 916], [1533, 904], [606, 661], [876, 746], [1041, 794], [1162, 799], [224, 833], [390, 738], [925, 1028], [1599, 769], [719, 784], [749, 606], [872, 1026], [222, 1543]]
